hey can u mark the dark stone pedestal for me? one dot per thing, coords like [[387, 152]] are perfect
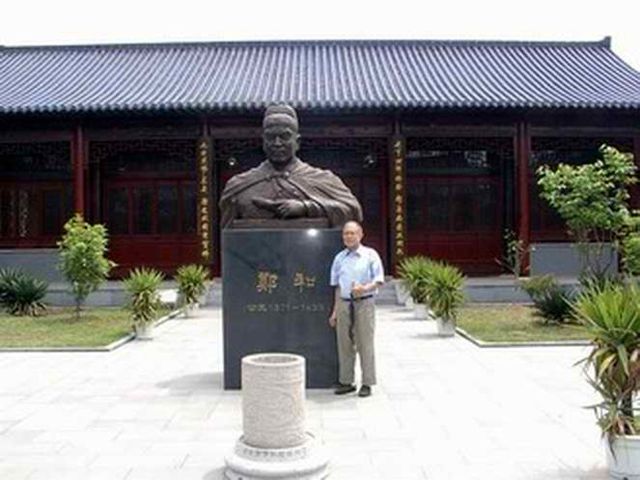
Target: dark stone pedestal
[[276, 298]]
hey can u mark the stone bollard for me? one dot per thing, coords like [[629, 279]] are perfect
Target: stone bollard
[[275, 443]]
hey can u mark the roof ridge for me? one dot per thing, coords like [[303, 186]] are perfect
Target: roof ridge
[[605, 42]]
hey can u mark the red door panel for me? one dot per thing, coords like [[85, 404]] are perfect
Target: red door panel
[[151, 223], [456, 219]]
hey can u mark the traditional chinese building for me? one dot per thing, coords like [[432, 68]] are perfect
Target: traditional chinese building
[[439, 140]]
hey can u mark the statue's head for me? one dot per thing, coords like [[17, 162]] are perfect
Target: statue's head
[[280, 138]]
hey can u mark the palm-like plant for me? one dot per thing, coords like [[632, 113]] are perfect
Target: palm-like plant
[[611, 315], [20, 293], [142, 286], [551, 300], [192, 282], [444, 290], [415, 271]]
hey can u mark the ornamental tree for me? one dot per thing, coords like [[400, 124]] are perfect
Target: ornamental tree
[[592, 200], [82, 258]]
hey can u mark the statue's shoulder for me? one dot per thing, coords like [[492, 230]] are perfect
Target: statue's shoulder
[[248, 176], [308, 169]]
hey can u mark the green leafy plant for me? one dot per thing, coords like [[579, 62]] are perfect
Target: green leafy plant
[[20, 293], [415, 271], [592, 200], [631, 253], [144, 300], [515, 253], [552, 301], [444, 290], [611, 315], [82, 258], [192, 283]]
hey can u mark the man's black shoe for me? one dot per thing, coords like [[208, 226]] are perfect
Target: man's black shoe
[[365, 391], [341, 389]]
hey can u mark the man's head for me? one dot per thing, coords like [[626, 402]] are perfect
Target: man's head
[[352, 234], [280, 138]]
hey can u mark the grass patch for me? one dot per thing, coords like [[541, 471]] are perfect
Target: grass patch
[[58, 327], [514, 323]]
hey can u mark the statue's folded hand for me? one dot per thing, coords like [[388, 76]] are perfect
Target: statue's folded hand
[[266, 203], [288, 208], [291, 209]]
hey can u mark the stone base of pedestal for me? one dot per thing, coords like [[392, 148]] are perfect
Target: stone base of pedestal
[[304, 462], [290, 313]]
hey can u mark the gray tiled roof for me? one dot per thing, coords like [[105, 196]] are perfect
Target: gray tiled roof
[[315, 75]]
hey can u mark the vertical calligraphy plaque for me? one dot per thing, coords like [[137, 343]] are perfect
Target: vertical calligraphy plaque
[[204, 209], [398, 203]]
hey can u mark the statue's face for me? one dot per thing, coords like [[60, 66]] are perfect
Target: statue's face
[[280, 142]]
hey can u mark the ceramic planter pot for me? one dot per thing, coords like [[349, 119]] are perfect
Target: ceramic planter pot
[[189, 310], [144, 331], [402, 293], [420, 311], [624, 463], [446, 328]]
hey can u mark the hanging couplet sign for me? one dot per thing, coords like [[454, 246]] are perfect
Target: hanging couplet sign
[[204, 199], [398, 199]]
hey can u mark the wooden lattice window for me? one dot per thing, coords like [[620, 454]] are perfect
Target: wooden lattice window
[[35, 192], [455, 184], [149, 186]]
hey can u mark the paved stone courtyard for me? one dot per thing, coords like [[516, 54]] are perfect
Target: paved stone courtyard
[[445, 409]]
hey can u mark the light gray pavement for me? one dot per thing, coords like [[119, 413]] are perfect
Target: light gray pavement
[[444, 409]]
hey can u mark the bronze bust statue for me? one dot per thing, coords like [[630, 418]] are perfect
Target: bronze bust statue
[[283, 187]]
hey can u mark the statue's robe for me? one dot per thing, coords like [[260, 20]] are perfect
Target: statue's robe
[[329, 196]]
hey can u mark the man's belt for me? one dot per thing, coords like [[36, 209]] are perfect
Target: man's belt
[[356, 299]]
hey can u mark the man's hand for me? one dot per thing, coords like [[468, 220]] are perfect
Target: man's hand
[[357, 289], [332, 320], [290, 208]]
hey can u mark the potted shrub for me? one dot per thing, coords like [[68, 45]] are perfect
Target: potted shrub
[[414, 272], [192, 283], [611, 315], [144, 301], [444, 291]]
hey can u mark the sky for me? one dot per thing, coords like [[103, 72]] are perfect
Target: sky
[[58, 22]]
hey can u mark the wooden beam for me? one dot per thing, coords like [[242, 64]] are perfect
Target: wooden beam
[[35, 136], [79, 162], [109, 134], [541, 131], [458, 131], [308, 132], [523, 153]]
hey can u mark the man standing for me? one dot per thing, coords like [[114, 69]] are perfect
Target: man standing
[[356, 274]]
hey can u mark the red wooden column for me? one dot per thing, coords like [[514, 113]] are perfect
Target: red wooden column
[[79, 161], [635, 189], [398, 203], [523, 153], [636, 152]]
